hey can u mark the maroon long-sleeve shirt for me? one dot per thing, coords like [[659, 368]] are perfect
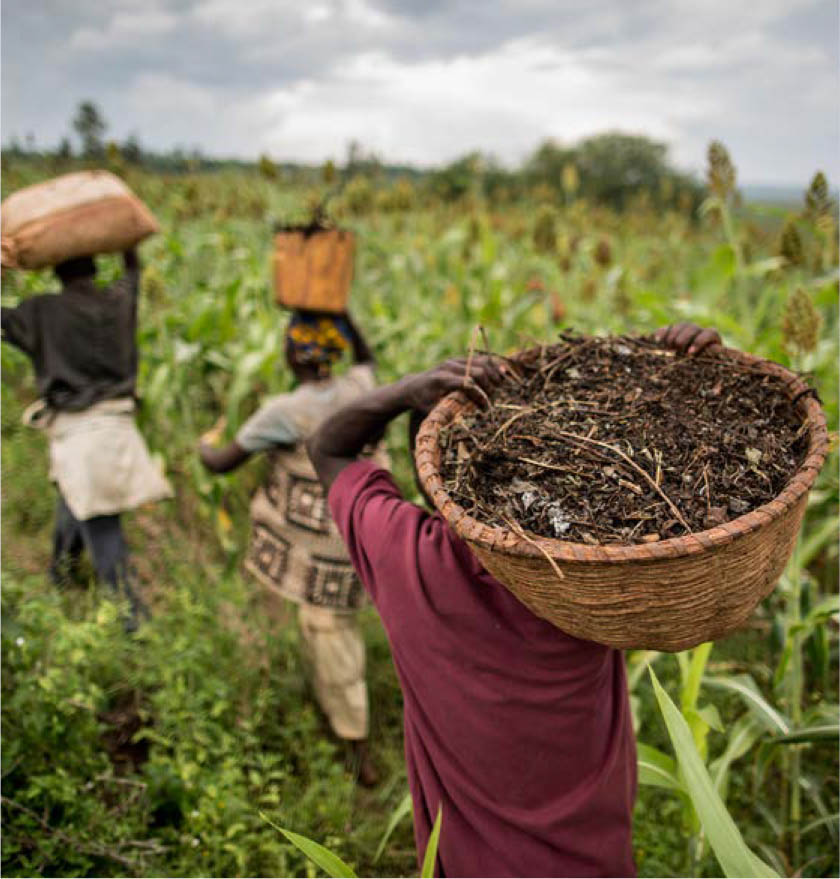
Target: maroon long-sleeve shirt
[[521, 733]]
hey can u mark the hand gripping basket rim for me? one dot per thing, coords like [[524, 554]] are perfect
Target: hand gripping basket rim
[[505, 543]]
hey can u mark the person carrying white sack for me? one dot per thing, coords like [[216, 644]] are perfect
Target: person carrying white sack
[[83, 347]]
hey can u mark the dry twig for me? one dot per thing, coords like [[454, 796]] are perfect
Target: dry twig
[[517, 529], [677, 514]]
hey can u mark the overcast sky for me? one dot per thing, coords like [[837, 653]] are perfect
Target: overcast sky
[[424, 81]]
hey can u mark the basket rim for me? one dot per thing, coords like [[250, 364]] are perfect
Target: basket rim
[[308, 230], [506, 541]]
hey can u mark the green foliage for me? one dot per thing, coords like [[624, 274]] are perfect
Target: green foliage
[[720, 173], [800, 323], [790, 244], [334, 866], [458, 179], [759, 733], [430, 856], [603, 253], [324, 858], [612, 166], [724, 837], [153, 755], [266, 167], [545, 229], [817, 198], [399, 197], [402, 811], [90, 126], [611, 169], [358, 195], [131, 150]]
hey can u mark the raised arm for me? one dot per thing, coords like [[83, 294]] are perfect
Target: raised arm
[[18, 326], [343, 436], [361, 349], [131, 275], [130, 260]]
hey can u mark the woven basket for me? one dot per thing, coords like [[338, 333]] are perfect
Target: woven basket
[[313, 270], [670, 595]]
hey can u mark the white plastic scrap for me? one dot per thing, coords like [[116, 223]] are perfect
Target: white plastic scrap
[[527, 491], [558, 519], [753, 456]]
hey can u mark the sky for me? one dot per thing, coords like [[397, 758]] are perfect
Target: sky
[[426, 81]]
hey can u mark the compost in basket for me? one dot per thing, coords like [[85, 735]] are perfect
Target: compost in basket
[[318, 223], [620, 441]]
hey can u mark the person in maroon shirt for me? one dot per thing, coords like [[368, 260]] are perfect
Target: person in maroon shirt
[[521, 734]]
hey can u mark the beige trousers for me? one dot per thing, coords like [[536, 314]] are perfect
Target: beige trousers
[[334, 650]]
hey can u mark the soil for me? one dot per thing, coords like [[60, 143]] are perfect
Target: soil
[[121, 722], [619, 441]]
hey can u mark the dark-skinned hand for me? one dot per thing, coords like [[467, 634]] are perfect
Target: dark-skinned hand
[[423, 389], [687, 338]]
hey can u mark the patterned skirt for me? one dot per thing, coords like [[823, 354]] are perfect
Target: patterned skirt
[[295, 548]]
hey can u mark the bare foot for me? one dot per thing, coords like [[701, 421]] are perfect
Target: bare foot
[[366, 774]]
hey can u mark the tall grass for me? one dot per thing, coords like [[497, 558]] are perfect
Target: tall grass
[[220, 725]]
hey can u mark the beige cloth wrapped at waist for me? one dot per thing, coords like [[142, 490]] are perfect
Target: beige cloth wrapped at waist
[[98, 458]]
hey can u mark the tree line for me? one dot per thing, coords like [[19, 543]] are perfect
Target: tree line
[[612, 168]]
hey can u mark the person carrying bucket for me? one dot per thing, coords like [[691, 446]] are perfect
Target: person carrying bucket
[[295, 549]]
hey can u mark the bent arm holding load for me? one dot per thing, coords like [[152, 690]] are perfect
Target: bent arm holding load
[[18, 326], [341, 438], [362, 354]]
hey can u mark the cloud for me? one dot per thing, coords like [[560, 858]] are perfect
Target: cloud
[[503, 101], [196, 114], [274, 23], [162, 94], [265, 19], [427, 80], [123, 29]]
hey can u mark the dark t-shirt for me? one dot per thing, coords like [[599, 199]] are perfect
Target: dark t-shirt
[[81, 341], [521, 733]]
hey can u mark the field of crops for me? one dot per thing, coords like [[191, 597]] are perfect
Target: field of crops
[[155, 755]]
